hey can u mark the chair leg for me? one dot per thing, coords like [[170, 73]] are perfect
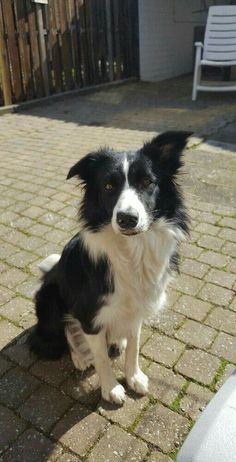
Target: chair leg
[[196, 80], [197, 73]]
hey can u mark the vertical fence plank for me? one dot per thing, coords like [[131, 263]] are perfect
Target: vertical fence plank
[[65, 46], [42, 48], [4, 65], [109, 39], [33, 35], [54, 45], [24, 49], [8, 14], [87, 25], [116, 34], [74, 42]]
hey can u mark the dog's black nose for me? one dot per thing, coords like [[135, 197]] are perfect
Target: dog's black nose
[[127, 220]]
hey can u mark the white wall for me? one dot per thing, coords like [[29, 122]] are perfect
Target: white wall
[[166, 30]]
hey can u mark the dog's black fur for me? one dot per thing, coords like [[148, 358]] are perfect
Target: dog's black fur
[[76, 284]]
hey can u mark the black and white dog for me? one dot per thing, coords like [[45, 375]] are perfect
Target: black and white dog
[[113, 274]]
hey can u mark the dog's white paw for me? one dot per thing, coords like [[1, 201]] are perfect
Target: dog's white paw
[[116, 394], [138, 382]]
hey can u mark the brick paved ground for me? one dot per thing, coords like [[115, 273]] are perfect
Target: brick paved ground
[[49, 411]]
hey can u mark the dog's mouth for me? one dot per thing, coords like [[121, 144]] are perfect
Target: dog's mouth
[[131, 232]]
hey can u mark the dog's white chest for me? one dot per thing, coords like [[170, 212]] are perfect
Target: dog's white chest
[[139, 267]]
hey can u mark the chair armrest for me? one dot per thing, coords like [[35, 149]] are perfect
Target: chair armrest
[[198, 44]]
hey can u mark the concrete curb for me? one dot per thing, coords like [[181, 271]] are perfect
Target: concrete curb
[[61, 96]]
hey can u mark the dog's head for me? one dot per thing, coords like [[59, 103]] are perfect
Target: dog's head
[[131, 190]]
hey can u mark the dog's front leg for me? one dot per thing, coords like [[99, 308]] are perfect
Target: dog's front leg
[[136, 379], [111, 389]]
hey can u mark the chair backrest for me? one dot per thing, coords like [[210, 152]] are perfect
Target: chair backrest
[[220, 35]]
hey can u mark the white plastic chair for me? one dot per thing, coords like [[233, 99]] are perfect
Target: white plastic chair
[[219, 47]]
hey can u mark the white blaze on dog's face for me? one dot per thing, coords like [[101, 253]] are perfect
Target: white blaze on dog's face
[[129, 215]]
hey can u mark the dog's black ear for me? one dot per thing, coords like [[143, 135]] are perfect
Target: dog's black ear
[[85, 168], [166, 149]]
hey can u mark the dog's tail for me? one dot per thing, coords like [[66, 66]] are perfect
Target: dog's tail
[[48, 263], [48, 338]]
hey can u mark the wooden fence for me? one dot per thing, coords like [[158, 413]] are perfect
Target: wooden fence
[[52, 46]]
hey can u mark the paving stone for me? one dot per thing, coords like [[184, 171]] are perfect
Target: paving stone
[[5, 295], [49, 218], [195, 400], [23, 223], [117, 445], [67, 457], [79, 429], [228, 222], [164, 384], [229, 369], [232, 265], [222, 319], [39, 230], [196, 334], [15, 387], [14, 236], [22, 259], [192, 307], [84, 387], [204, 207], [210, 242], [216, 294], [19, 352], [58, 236], [45, 407], [172, 297], [198, 365], [214, 259], [5, 365], [163, 349], [126, 414], [228, 234], [11, 427], [162, 427], [3, 267], [232, 306], [229, 249], [225, 347], [190, 250], [13, 277], [32, 446], [8, 332], [158, 457], [33, 212], [6, 250], [221, 278], [207, 228], [48, 249], [146, 333], [187, 284], [208, 218], [18, 309], [53, 372], [194, 236], [54, 205], [29, 288], [167, 321], [194, 268]]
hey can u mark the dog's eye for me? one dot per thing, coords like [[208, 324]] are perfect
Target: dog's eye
[[146, 182], [109, 187]]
